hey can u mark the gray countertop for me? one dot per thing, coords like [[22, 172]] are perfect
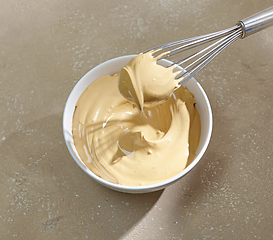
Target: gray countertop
[[47, 46]]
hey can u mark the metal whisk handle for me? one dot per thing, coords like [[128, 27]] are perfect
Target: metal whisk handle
[[257, 22]]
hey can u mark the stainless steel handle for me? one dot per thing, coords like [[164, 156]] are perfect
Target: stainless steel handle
[[257, 22]]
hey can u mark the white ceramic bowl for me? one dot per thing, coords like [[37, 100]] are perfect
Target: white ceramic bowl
[[113, 66]]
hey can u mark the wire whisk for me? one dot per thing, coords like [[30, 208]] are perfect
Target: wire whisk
[[218, 41]]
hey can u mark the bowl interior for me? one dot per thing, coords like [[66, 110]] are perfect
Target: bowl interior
[[111, 67]]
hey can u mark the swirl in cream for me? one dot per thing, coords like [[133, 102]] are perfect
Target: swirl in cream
[[130, 147]]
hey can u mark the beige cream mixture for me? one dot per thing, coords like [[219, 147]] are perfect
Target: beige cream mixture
[[130, 147]]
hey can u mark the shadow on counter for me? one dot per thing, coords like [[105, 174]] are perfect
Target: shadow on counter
[[46, 195]]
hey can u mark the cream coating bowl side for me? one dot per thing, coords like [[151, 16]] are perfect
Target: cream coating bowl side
[[111, 67]]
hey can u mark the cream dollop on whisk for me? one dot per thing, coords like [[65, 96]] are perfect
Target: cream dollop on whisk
[[146, 83]]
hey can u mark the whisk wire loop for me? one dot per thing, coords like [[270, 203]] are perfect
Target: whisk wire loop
[[195, 41], [199, 59], [219, 41], [198, 64]]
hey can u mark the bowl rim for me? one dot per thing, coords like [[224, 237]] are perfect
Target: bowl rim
[[122, 188]]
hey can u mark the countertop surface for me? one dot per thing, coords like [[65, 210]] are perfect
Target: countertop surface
[[47, 46]]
